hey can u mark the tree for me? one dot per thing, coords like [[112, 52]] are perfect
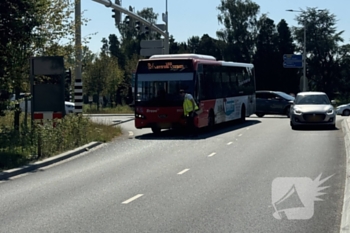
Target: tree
[[266, 57], [103, 76], [239, 18], [193, 44], [115, 49], [322, 45], [209, 46], [18, 19]]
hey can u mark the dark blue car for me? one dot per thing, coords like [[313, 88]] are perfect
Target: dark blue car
[[272, 103]]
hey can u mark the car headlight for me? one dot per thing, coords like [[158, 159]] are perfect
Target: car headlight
[[297, 111], [330, 111]]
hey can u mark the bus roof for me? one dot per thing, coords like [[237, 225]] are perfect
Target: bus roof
[[187, 55], [230, 63]]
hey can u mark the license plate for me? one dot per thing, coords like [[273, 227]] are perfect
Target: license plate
[[164, 125]]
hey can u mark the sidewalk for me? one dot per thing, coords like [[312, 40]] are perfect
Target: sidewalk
[[345, 221]]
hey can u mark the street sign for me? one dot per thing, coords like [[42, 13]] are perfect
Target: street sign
[[292, 61], [148, 44], [151, 51], [161, 26]]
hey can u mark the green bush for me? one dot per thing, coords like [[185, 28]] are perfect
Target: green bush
[[49, 138]]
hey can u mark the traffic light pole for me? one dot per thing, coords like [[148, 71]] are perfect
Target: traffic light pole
[[166, 47], [108, 3]]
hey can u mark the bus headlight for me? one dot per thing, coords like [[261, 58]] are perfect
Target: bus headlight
[[140, 116]]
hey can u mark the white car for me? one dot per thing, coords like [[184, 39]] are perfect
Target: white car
[[343, 110]]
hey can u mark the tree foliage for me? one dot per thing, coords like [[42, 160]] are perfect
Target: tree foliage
[[324, 53], [239, 18]]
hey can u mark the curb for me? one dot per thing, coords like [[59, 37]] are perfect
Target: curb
[[345, 219], [108, 115], [4, 175]]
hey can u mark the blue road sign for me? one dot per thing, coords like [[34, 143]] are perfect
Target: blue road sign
[[292, 61]]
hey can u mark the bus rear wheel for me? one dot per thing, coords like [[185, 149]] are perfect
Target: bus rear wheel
[[242, 114], [211, 120]]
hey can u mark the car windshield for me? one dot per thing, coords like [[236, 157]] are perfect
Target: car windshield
[[286, 96], [312, 99]]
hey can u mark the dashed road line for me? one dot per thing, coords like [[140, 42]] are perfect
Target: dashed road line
[[212, 154], [131, 134], [132, 199], [183, 171], [240, 135], [229, 143]]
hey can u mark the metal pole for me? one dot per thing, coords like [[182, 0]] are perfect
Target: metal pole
[[304, 58], [166, 49], [78, 50]]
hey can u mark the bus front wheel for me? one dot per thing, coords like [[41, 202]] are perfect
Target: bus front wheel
[[156, 130], [211, 120]]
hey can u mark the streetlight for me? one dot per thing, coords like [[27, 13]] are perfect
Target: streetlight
[[166, 20], [304, 53]]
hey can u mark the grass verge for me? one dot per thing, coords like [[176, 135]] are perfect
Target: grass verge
[[30, 144], [92, 109]]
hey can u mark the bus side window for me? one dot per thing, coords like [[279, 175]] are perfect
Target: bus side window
[[217, 82]]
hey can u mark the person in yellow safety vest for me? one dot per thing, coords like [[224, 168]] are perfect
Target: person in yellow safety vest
[[190, 107]]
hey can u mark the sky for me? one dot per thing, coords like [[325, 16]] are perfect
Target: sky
[[189, 18]]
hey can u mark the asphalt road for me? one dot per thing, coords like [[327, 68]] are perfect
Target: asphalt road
[[224, 181]]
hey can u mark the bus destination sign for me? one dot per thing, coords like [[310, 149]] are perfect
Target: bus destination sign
[[165, 66]]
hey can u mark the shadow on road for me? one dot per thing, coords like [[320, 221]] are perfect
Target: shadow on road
[[315, 128], [118, 122], [202, 133]]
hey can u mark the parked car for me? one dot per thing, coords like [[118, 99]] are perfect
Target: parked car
[[343, 110], [272, 103], [312, 108]]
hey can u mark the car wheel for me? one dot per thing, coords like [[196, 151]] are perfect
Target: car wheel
[[294, 127], [260, 114], [346, 112], [287, 111]]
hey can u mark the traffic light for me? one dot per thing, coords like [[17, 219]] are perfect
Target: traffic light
[[116, 15], [127, 20], [138, 25], [68, 77], [146, 30], [67, 85]]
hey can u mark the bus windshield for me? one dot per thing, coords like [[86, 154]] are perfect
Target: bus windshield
[[158, 82]]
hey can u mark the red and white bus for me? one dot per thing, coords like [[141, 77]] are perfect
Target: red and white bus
[[224, 91]]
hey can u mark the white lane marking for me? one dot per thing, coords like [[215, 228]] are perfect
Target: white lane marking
[[183, 171], [229, 143], [132, 199], [240, 135], [248, 128], [131, 134], [212, 154]]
